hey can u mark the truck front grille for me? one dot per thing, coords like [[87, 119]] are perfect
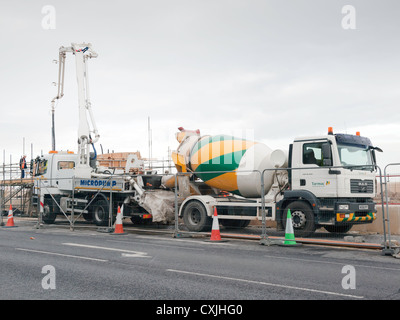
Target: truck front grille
[[361, 186]]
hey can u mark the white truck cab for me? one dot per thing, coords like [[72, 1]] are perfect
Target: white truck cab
[[56, 169], [352, 156], [335, 174]]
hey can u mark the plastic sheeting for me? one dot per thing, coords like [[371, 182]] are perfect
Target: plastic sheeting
[[160, 203]]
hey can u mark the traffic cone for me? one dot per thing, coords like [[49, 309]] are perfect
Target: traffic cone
[[10, 219], [118, 223], [215, 234], [289, 233]]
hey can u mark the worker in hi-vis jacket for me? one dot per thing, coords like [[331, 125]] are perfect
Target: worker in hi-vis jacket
[[22, 166]]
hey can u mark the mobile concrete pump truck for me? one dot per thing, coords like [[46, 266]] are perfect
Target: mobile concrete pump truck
[[326, 181], [68, 182]]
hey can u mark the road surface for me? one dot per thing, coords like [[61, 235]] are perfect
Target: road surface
[[56, 263]]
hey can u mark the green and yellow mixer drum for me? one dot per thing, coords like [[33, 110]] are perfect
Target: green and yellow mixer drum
[[228, 163]]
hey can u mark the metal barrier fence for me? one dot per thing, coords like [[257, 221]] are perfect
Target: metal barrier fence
[[391, 183], [264, 213], [50, 203], [328, 200]]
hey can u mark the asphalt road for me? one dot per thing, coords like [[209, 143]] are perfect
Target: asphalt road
[[56, 263]]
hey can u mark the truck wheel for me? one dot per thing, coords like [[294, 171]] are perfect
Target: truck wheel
[[302, 218], [49, 214], [195, 217], [100, 212], [88, 216]]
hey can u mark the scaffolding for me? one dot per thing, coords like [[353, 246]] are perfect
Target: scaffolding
[[16, 191]]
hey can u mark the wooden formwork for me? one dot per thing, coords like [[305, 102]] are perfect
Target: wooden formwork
[[115, 160], [17, 182]]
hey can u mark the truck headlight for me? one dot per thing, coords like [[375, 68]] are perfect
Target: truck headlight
[[343, 207]]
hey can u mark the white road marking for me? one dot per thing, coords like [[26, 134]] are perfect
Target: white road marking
[[183, 240], [135, 255], [331, 262], [126, 253], [266, 284], [162, 245], [61, 254]]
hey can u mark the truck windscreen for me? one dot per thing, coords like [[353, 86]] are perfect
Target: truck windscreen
[[356, 156]]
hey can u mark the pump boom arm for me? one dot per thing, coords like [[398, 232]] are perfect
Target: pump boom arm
[[82, 52]]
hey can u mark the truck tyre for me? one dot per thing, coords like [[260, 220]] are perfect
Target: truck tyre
[[195, 217], [302, 218], [49, 213], [100, 212], [88, 216]]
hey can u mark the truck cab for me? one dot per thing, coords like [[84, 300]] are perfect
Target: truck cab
[[334, 175], [56, 169]]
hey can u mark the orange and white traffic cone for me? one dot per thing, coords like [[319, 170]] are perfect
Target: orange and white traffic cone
[[10, 218], [118, 223], [215, 234]]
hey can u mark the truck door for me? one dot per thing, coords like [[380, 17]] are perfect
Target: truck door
[[314, 159], [65, 171]]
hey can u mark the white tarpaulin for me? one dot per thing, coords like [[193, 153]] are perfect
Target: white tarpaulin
[[160, 203]]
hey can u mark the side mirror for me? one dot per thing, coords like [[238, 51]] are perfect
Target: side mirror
[[326, 155]]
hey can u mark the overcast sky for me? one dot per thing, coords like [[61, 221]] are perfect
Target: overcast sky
[[277, 69]]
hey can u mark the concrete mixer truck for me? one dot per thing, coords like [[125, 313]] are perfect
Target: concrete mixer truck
[[326, 181]]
